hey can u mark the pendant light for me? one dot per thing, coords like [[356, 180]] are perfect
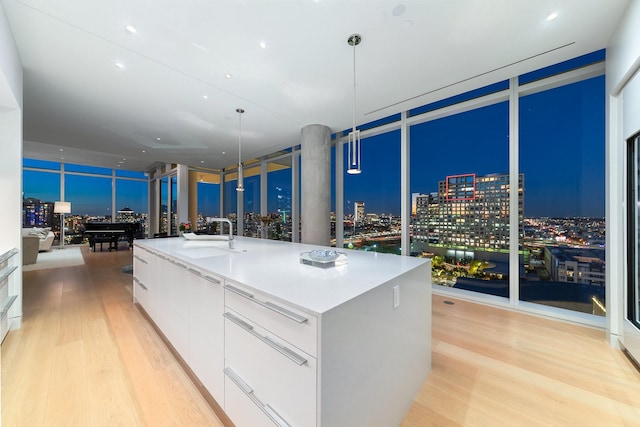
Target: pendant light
[[353, 156], [240, 186]]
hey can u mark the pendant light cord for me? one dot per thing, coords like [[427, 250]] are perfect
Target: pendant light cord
[[354, 87]]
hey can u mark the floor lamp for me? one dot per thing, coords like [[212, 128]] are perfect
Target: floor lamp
[[62, 208]]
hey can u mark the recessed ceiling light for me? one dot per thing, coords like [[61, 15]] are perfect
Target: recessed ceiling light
[[263, 45], [61, 149], [158, 138], [61, 158], [144, 151], [124, 159], [228, 75], [223, 153], [201, 161], [119, 65], [552, 16], [205, 96], [399, 9], [131, 29]]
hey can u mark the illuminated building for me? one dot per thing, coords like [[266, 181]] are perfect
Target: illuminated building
[[468, 212], [358, 209]]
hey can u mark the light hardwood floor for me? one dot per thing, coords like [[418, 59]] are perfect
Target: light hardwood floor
[[86, 357]]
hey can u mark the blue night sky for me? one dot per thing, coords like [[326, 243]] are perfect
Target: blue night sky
[[562, 134]]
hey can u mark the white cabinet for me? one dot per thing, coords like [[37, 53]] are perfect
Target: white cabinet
[[175, 305], [186, 304], [264, 359], [271, 355], [144, 278], [206, 331]]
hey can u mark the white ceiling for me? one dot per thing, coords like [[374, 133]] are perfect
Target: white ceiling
[[412, 53]]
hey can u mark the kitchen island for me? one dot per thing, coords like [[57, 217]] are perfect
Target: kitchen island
[[278, 342]]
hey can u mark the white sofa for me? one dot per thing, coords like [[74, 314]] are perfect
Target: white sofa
[[45, 235]]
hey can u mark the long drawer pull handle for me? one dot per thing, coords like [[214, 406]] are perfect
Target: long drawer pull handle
[[275, 417], [283, 311], [239, 292], [244, 325], [180, 265], [246, 389], [286, 352], [239, 381], [204, 276], [212, 279], [271, 306], [139, 258], [193, 271], [140, 284]]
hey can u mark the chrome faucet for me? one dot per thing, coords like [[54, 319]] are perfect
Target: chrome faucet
[[228, 221]]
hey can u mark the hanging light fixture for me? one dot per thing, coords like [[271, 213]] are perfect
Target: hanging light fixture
[[353, 156], [240, 186]]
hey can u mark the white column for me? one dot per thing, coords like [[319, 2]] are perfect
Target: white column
[[183, 194], [316, 184], [295, 197]]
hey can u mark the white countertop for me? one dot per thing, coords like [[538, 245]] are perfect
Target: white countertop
[[274, 267]]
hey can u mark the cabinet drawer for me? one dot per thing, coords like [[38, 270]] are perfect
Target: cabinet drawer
[[281, 375], [297, 327], [239, 405], [141, 293]]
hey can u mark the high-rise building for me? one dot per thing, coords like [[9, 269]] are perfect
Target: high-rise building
[[358, 209], [575, 265], [37, 213], [468, 212], [126, 215]]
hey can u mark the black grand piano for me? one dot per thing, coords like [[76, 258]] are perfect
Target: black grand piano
[[111, 233]]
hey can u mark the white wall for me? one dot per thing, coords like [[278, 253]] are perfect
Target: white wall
[[623, 90], [10, 142], [11, 163]]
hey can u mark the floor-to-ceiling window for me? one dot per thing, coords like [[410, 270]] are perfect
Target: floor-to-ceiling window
[[279, 200], [230, 199], [562, 134], [40, 189], [132, 199], [90, 191], [163, 227], [173, 183], [460, 198], [251, 200], [208, 198], [90, 198], [372, 198]]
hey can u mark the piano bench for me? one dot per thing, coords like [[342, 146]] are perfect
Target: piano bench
[[101, 239]]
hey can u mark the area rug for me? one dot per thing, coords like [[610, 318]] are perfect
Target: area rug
[[56, 258]]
